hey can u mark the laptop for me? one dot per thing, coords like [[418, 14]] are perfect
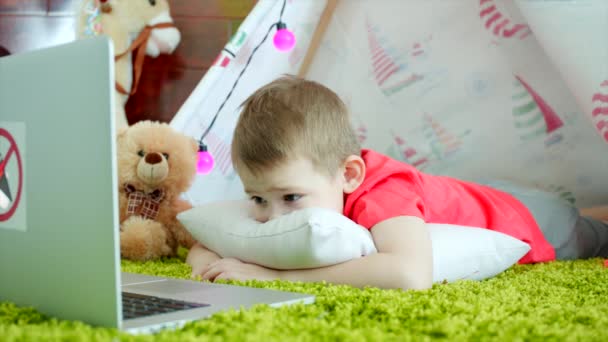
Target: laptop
[[59, 229]]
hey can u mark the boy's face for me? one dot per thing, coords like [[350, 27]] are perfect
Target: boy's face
[[292, 185]]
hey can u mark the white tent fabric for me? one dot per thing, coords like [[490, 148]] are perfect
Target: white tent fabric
[[499, 89]]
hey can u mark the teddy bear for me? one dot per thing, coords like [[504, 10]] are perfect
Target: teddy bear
[[156, 164], [136, 27]]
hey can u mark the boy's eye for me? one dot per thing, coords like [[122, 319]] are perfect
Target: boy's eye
[[141, 153], [166, 155], [291, 197], [258, 200]]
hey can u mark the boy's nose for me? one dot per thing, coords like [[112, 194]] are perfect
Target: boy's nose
[[267, 216], [275, 212]]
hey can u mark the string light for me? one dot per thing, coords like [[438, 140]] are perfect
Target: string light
[[205, 162], [284, 40]]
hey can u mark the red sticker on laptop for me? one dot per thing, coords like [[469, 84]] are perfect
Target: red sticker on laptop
[[10, 192]]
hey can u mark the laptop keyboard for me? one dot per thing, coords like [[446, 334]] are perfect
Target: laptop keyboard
[[137, 305]]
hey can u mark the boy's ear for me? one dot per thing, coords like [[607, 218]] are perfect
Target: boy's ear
[[354, 173]]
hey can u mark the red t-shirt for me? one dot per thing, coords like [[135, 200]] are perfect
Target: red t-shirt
[[392, 188]]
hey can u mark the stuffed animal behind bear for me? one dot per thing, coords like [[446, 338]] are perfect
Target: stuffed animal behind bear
[[136, 27], [155, 165]]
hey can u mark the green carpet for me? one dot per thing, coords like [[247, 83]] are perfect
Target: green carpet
[[555, 301]]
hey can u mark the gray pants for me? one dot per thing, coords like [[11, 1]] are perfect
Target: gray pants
[[573, 236]]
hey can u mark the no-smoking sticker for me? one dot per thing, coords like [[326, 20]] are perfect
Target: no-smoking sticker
[[12, 176]]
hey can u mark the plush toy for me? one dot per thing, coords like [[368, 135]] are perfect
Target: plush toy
[[141, 27], [155, 165]]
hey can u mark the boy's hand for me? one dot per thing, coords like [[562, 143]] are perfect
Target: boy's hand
[[199, 266], [233, 269], [199, 258]]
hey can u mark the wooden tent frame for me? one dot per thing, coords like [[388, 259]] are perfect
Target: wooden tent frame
[[315, 41]]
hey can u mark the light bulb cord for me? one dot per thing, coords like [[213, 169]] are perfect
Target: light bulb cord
[[201, 142], [282, 10]]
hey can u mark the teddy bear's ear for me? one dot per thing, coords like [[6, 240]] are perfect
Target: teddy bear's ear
[[194, 145]]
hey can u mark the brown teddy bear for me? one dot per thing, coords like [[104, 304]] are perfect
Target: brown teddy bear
[[155, 165]]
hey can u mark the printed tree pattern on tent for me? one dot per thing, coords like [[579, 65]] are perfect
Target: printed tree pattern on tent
[[401, 151], [392, 72], [563, 193], [533, 116], [221, 153], [443, 143], [227, 54], [498, 23], [600, 110], [361, 132]]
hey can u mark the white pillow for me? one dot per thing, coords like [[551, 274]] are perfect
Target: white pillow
[[461, 252], [307, 238], [315, 237]]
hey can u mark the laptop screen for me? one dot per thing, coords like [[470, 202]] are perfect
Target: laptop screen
[[58, 202]]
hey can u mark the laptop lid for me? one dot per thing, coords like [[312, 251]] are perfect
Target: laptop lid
[[59, 247]]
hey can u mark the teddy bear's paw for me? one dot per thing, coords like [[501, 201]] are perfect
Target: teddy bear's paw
[[142, 239], [183, 236]]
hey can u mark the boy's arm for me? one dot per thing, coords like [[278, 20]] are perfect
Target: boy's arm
[[404, 259], [199, 258]]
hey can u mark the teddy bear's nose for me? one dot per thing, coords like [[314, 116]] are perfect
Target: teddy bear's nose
[[153, 158]]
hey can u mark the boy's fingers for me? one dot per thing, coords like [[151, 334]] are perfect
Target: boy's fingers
[[211, 273], [225, 276], [198, 271]]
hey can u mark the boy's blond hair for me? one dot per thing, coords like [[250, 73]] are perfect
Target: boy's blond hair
[[292, 117]]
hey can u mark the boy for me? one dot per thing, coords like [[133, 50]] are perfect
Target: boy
[[294, 147]]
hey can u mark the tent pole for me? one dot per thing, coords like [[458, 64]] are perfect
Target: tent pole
[[317, 36]]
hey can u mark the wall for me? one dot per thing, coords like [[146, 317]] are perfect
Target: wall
[[206, 25]]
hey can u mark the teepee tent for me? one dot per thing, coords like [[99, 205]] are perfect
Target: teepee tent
[[477, 89]]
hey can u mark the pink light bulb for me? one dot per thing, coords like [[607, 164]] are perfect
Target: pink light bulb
[[284, 40], [205, 162]]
